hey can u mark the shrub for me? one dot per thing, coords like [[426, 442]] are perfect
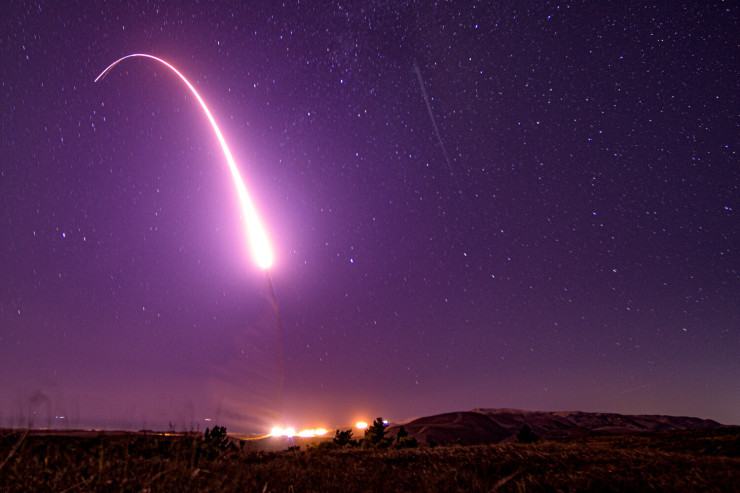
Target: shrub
[[215, 442], [526, 435], [344, 439], [406, 442]]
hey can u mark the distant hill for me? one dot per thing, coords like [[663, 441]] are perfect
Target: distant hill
[[500, 425]]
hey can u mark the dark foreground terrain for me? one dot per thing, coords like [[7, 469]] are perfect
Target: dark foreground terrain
[[697, 460]]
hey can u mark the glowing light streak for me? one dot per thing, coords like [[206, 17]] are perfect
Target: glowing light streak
[[361, 425], [259, 243]]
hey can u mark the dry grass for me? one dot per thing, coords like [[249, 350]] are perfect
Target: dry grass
[[674, 461]]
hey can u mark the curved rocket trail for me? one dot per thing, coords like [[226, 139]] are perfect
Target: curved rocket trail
[[258, 241], [257, 237]]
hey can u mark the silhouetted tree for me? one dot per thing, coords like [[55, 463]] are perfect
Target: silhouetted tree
[[401, 433], [343, 438], [403, 440], [215, 442], [375, 435], [526, 435]]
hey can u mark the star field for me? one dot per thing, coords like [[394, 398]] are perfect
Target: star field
[[580, 255]]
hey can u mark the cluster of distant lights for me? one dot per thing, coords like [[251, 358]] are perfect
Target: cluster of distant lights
[[277, 431], [289, 432]]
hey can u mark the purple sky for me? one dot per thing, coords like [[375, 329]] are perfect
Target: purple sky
[[582, 255]]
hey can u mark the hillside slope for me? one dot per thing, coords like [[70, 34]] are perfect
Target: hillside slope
[[499, 425]]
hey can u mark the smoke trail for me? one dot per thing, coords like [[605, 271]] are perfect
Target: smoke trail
[[257, 237], [281, 357], [431, 117]]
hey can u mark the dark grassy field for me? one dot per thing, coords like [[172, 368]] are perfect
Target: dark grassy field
[[667, 461]]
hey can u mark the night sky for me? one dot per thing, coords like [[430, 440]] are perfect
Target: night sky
[[565, 239]]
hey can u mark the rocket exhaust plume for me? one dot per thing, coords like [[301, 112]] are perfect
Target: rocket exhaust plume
[[258, 241], [259, 244]]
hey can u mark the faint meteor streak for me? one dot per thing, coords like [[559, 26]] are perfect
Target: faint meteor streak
[[258, 241], [431, 117], [257, 237]]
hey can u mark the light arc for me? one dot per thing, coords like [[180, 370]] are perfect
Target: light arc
[[259, 244]]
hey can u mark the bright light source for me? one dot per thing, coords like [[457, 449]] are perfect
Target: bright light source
[[361, 425], [385, 422], [278, 431], [282, 432]]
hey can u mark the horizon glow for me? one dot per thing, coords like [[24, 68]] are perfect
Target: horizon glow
[[259, 244]]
